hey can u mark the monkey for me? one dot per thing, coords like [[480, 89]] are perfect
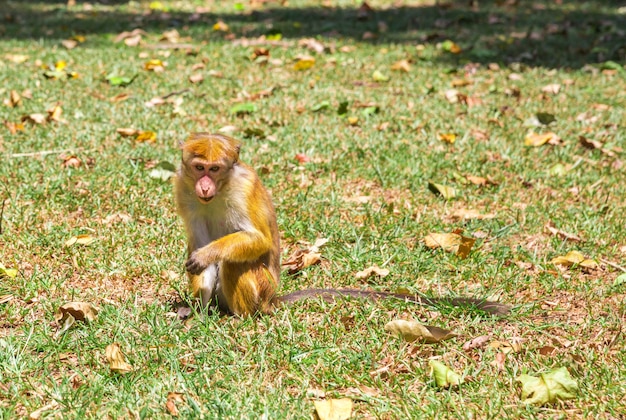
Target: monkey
[[233, 244]]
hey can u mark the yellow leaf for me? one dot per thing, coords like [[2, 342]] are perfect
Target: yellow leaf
[[81, 240], [116, 359], [60, 65], [153, 64], [447, 241], [535, 140], [447, 137], [443, 190], [220, 26], [353, 121], [304, 63], [379, 76], [413, 330], [402, 65], [336, 409], [8, 272], [127, 132], [146, 136]]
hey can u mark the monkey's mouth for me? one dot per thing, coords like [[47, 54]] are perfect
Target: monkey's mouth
[[205, 199]]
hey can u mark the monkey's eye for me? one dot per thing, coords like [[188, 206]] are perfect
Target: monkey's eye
[[214, 168], [200, 167]]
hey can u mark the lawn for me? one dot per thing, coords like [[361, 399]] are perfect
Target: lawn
[[373, 127]]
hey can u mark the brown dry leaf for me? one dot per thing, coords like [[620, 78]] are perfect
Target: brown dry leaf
[[37, 414], [447, 241], [133, 41], [14, 100], [499, 361], [116, 359], [546, 350], [303, 258], [16, 58], [413, 330], [312, 44], [14, 127], [335, 409], [573, 258], [452, 95], [468, 214], [552, 88], [402, 65], [80, 240], [34, 118], [465, 247], [172, 399], [513, 346], [124, 35], [54, 114], [447, 137], [460, 83], [536, 140], [127, 132], [372, 271], [70, 44], [170, 36], [590, 144], [146, 136], [81, 311], [120, 97], [70, 161], [476, 342], [196, 78], [562, 234], [479, 180], [117, 218]]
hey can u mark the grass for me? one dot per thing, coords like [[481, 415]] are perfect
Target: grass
[[364, 188]]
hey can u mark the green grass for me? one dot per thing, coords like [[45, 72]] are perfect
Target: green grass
[[274, 366]]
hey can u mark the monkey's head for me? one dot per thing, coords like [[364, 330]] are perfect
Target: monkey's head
[[207, 162]]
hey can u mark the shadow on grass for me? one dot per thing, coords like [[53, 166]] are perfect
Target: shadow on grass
[[546, 34]]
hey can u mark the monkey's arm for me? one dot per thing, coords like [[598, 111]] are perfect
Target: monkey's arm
[[238, 247]]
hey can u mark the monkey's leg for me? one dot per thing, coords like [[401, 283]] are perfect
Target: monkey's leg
[[247, 288], [204, 286]]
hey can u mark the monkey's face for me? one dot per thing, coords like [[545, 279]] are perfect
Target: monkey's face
[[208, 177]]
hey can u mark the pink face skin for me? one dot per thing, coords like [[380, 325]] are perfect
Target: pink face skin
[[207, 175]]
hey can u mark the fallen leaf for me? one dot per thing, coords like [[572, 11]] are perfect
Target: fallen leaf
[[378, 76], [465, 246], [15, 99], [548, 387], [304, 63], [7, 272], [163, 171], [451, 47], [127, 132], [402, 65], [302, 158], [335, 409], [468, 214], [447, 241], [154, 65], [80, 240], [243, 108], [499, 361], [116, 359], [372, 271], [535, 140], [445, 191], [303, 258], [220, 26], [196, 78], [447, 137], [80, 311], [34, 118], [413, 330], [70, 44], [476, 342], [14, 127], [71, 161], [573, 258], [146, 137], [562, 234], [311, 44], [552, 88], [172, 399], [444, 376]]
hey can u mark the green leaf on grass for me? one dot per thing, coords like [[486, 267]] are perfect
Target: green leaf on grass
[[115, 80], [548, 387], [244, 108], [444, 376], [7, 272], [442, 190], [545, 118], [343, 108], [163, 171], [320, 106]]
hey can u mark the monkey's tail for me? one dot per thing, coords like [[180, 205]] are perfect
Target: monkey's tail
[[329, 295]]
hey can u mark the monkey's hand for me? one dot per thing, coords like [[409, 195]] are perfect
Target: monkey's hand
[[198, 261]]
